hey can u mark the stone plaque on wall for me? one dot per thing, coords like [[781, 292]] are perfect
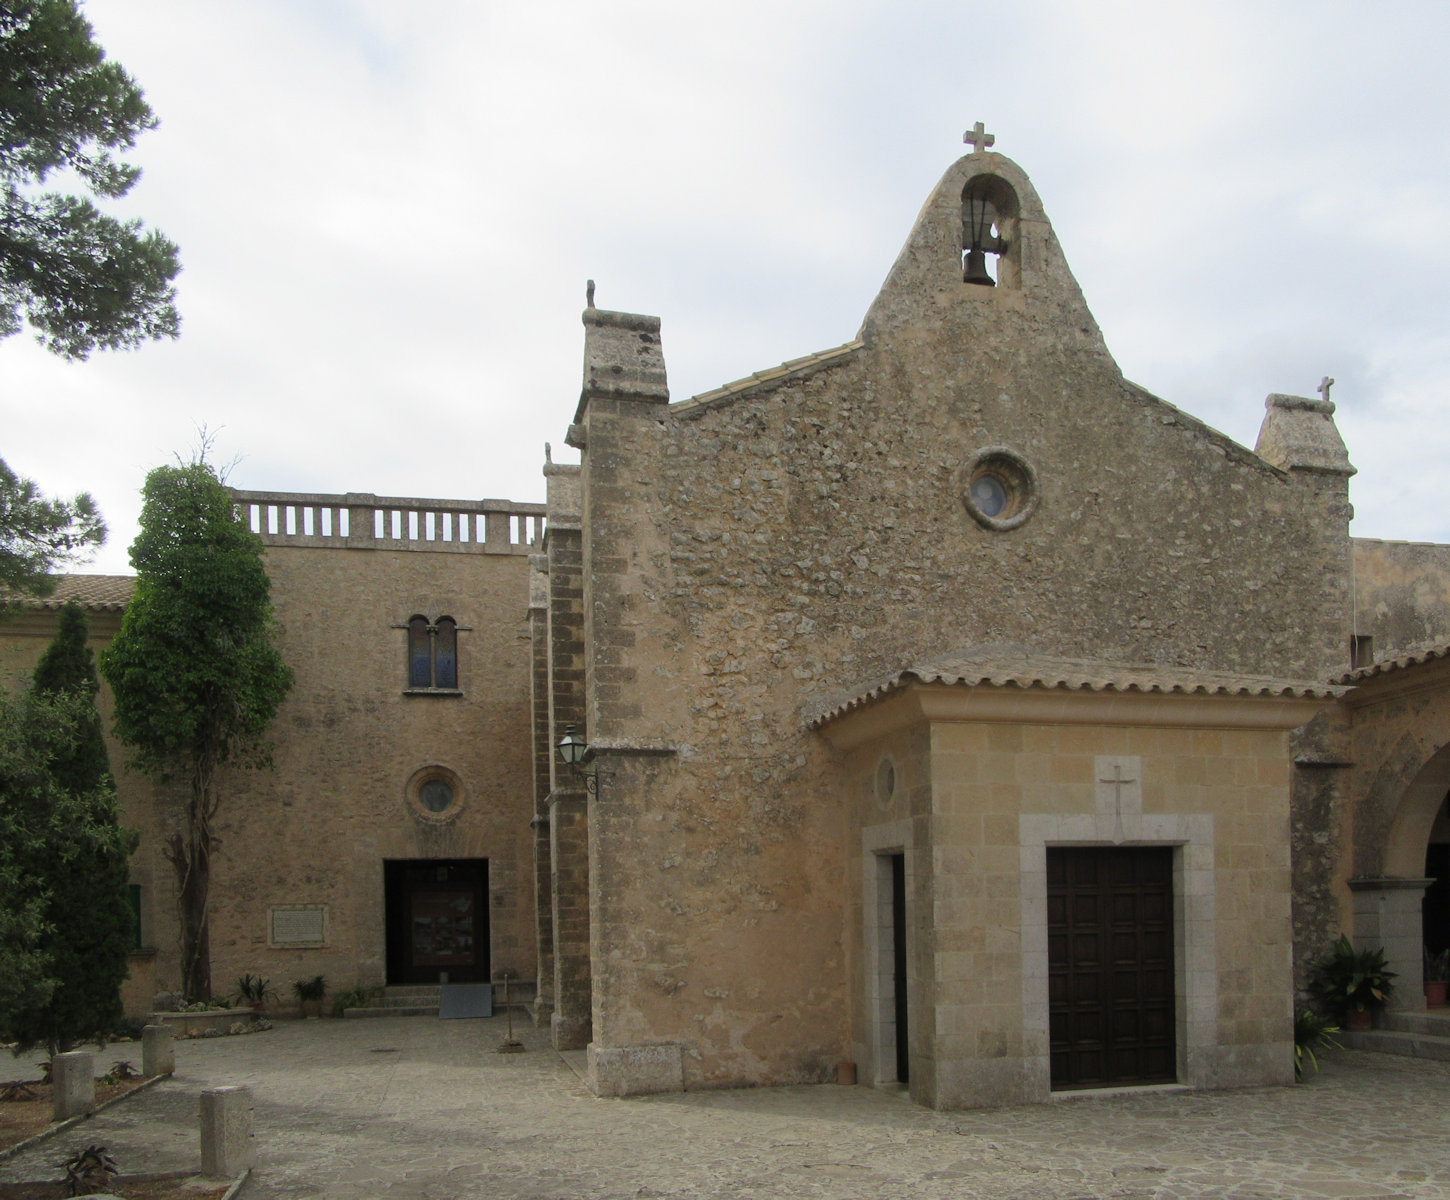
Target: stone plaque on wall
[[298, 925]]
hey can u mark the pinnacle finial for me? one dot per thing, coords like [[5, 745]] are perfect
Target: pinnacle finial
[[978, 138], [589, 293]]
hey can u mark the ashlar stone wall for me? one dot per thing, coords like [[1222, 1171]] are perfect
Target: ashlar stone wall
[[317, 828]]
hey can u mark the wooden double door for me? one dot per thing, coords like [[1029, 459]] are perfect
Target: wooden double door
[[437, 919], [1110, 966]]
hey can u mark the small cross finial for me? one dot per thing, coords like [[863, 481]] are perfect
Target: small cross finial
[[978, 138], [1324, 385], [589, 293]]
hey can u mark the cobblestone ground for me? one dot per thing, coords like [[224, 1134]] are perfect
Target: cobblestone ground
[[417, 1108]]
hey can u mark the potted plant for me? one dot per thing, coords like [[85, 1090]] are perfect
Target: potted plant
[[309, 993], [254, 992], [1350, 983], [1437, 978]]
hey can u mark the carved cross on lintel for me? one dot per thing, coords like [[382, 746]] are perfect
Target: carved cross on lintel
[[1118, 783], [1324, 385], [978, 138]]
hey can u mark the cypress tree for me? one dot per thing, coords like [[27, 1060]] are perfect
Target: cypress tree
[[82, 857]]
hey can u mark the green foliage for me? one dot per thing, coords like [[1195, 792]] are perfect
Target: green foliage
[[82, 279], [253, 989], [194, 672], [79, 855], [1347, 979], [357, 997], [1437, 966], [310, 989], [64, 922], [38, 534], [68, 667], [1311, 1032]]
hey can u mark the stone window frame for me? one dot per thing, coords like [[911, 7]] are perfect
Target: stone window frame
[[432, 629], [1017, 478], [1195, 947], [878, 844], [426, 774]]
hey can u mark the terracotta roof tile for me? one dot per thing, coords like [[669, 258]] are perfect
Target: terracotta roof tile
[[1413, 658], [1003, 666], [100, 593]]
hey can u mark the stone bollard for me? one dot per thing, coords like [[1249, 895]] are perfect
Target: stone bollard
[[158, 1053], [226, 1132], [73, 1084]]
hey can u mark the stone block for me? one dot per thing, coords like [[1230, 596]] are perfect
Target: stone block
[[73, 1084], [227, 1147], [158, 1052], [636, 1070]]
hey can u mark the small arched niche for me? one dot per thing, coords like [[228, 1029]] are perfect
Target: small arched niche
[[991, 251]]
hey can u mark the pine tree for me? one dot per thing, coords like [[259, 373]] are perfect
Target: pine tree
[[82, 279], [78, 854]]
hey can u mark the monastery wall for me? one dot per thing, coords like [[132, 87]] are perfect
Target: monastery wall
[[350, 743], [1402, 595]]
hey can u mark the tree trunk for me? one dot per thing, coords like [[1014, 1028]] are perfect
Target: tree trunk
[[191, 860]]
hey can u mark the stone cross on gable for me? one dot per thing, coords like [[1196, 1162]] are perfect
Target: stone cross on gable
[[1324, 385], [978, 138]]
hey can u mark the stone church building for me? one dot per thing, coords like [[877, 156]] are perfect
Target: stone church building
[[948, 705]]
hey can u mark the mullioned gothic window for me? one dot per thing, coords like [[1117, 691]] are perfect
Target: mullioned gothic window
[[432, 654]]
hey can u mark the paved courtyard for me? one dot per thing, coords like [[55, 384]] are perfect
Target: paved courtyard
[[412, 1108]]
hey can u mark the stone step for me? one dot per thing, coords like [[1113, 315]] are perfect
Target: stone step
[[422, 1000], [419, 1010], [1391, 1041], [1434, 1023]]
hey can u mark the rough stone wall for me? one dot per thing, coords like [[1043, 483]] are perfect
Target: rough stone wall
[[1402, 595], [758, 553], [317, 828], [24, 637]]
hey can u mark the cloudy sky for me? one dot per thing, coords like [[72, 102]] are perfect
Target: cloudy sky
[[387, 213]]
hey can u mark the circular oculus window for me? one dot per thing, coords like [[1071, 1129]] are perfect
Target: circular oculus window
[[1000, 488], [885, 781], [435, 793]]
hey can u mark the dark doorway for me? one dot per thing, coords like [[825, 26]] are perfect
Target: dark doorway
[[898, 965], [437, 919], [1110, 966], [1435, 907]]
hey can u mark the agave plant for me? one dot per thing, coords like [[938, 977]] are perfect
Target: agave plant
[[89, 1171]]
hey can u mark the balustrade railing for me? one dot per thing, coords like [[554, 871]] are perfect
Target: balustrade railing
[[360, 521]]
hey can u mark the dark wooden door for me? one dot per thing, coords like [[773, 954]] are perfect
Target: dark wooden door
[[1110, 966], [437, 919], [898, 967]]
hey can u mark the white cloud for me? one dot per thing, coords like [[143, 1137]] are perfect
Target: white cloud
[[387, 213]]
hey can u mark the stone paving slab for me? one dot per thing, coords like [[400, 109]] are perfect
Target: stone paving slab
[[416, 1109]]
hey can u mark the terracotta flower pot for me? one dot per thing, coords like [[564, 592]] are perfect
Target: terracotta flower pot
[[1359, 1020], [1435, 993]]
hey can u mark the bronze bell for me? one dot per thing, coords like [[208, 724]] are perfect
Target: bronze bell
[[976, 269]]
